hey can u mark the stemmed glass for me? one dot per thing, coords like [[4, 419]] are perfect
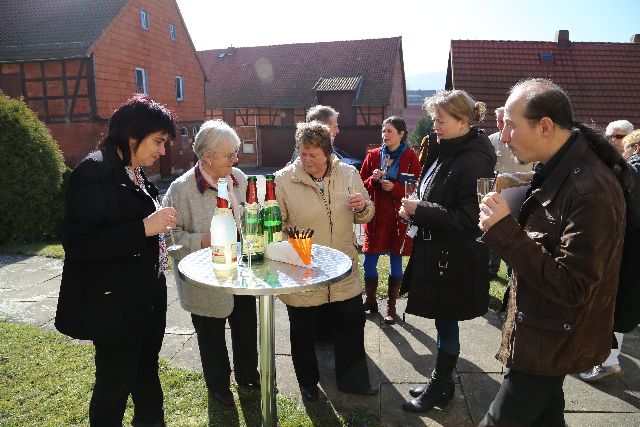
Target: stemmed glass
[[249, 235], [411, 193], [483, 187], [384, 165], [173, 246]]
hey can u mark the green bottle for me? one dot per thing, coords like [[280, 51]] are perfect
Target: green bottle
[[271, 218], [252, 222]]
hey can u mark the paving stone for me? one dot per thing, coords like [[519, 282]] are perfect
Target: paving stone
[[188, 356], [178, 320], [608, 395], [172, 344], [392, 396], [479, 389], [49, 288], [479, 342], [601, 420], [37, 312]]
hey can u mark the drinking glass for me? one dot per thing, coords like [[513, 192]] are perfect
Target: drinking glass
[[411, 193], [173, 246], [484, 186]]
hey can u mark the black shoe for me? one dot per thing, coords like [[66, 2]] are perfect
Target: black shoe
[[224, 396], [417, 391], [253, 384], [311, 393], [366, 392], [436, 394]]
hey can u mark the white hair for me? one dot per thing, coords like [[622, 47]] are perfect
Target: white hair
[[499, 110], [623, 125], [211, 135]]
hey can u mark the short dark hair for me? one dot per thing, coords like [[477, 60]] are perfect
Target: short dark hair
[[315, 134], [544, 98], [137, 118], [399, 124]]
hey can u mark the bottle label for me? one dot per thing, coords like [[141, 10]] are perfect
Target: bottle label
[[252, 209], [224, 254], [270, 203], [223, 212], [258, 246]]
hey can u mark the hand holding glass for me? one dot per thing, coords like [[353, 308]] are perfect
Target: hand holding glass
[[484, 186], [411, 193]]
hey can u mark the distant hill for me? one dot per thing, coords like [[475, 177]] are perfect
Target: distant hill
[[434, 80]]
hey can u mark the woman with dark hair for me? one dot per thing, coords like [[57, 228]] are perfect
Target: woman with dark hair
[[386, 232], [447, 275], [113, 289], [313, 192]]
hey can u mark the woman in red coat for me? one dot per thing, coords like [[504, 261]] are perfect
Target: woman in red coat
[[386, 233]]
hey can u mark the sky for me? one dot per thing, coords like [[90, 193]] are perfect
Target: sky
[[427, 27]]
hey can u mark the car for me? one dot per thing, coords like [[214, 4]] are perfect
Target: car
[[344, 157]]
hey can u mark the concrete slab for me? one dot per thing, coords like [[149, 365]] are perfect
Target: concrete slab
[[48, 288], [479, 342], [188, 356], [479, 389], [172, 344], [29, 271], [178, 320], [600, 419], [608, 395], [38, 312], [391, 414]]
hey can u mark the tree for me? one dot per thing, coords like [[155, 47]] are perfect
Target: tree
[[32, 174], [423, 128]]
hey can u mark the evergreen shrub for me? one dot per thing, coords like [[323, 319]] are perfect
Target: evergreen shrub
[[32, 176]]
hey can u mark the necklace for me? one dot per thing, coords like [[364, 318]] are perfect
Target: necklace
[[314, 179]]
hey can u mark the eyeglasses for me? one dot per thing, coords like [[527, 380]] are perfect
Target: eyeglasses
[[231, 157], [616, 136]]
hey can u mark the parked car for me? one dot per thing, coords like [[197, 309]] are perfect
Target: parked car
[[344, 157]]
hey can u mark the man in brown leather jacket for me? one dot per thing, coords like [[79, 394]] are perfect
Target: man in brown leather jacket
[[565, 251]]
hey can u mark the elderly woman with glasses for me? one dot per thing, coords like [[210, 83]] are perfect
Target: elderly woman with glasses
[[616, 131], [193, 195]]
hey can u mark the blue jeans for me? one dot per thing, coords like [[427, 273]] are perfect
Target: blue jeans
[[448, 336], [370, 265]]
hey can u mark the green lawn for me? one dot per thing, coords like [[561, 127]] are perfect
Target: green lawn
[[50, 249], [47, 381]]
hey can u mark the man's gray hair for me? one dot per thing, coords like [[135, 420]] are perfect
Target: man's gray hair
[[211, 135], [623, 125], [499, 110]]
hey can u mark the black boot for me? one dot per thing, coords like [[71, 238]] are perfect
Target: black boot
[[439, 391], [370, 287]]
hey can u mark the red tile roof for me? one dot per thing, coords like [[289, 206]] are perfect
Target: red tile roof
[[284, 76], [602, 79]]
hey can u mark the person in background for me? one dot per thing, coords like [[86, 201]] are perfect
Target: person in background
[[113, 288], [193, 195], [447, 276], [627, 313], [313, 192], [616, 131], [565, 270], [323, 114], [386, 233]]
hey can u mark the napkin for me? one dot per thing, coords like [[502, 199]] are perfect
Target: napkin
[[284, 252]]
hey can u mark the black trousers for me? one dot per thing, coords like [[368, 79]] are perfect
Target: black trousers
[[129, 365], [244, 343], [527, 400], [348, 337]]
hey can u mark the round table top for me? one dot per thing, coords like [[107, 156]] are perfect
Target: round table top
[[269, 277]]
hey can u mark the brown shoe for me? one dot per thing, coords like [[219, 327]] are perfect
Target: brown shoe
[[225, 397], [394, 291], [370, 287]]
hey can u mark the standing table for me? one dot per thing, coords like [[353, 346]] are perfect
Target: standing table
[[269, 278]]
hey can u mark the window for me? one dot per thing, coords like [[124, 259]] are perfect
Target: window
[[144, 19], [194, 131], [172, 31], [179, 89], [184, 132], [141, 80]]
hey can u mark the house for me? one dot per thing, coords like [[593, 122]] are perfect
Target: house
[[602, 79], [75, 61], [414, 111], [264, 91]]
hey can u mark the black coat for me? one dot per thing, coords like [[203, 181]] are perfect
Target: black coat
[[447, 274], [110, 275], [627, 314]]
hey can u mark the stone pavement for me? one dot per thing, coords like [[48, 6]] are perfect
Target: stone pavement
[[399, 356]]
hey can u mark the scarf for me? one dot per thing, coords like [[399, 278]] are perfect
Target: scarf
[[235, 207], [394, 169]]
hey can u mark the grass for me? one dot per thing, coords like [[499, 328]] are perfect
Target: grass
[[49, 249], [47, 381]]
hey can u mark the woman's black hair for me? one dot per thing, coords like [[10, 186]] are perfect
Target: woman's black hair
[[399, 124], [137, 118]]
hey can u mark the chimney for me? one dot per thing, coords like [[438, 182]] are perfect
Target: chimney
[[562, 38], [635, 39]]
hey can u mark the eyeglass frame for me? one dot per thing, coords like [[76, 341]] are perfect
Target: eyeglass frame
[[615, 136], [231, 157]]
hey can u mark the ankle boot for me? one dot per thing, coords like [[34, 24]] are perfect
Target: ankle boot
[[370, 287], [440, 389], [394, 290]]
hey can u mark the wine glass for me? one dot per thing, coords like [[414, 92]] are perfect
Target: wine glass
[[384, 165], [249, 240], [173, 246], [483, 187], [411, 193]]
